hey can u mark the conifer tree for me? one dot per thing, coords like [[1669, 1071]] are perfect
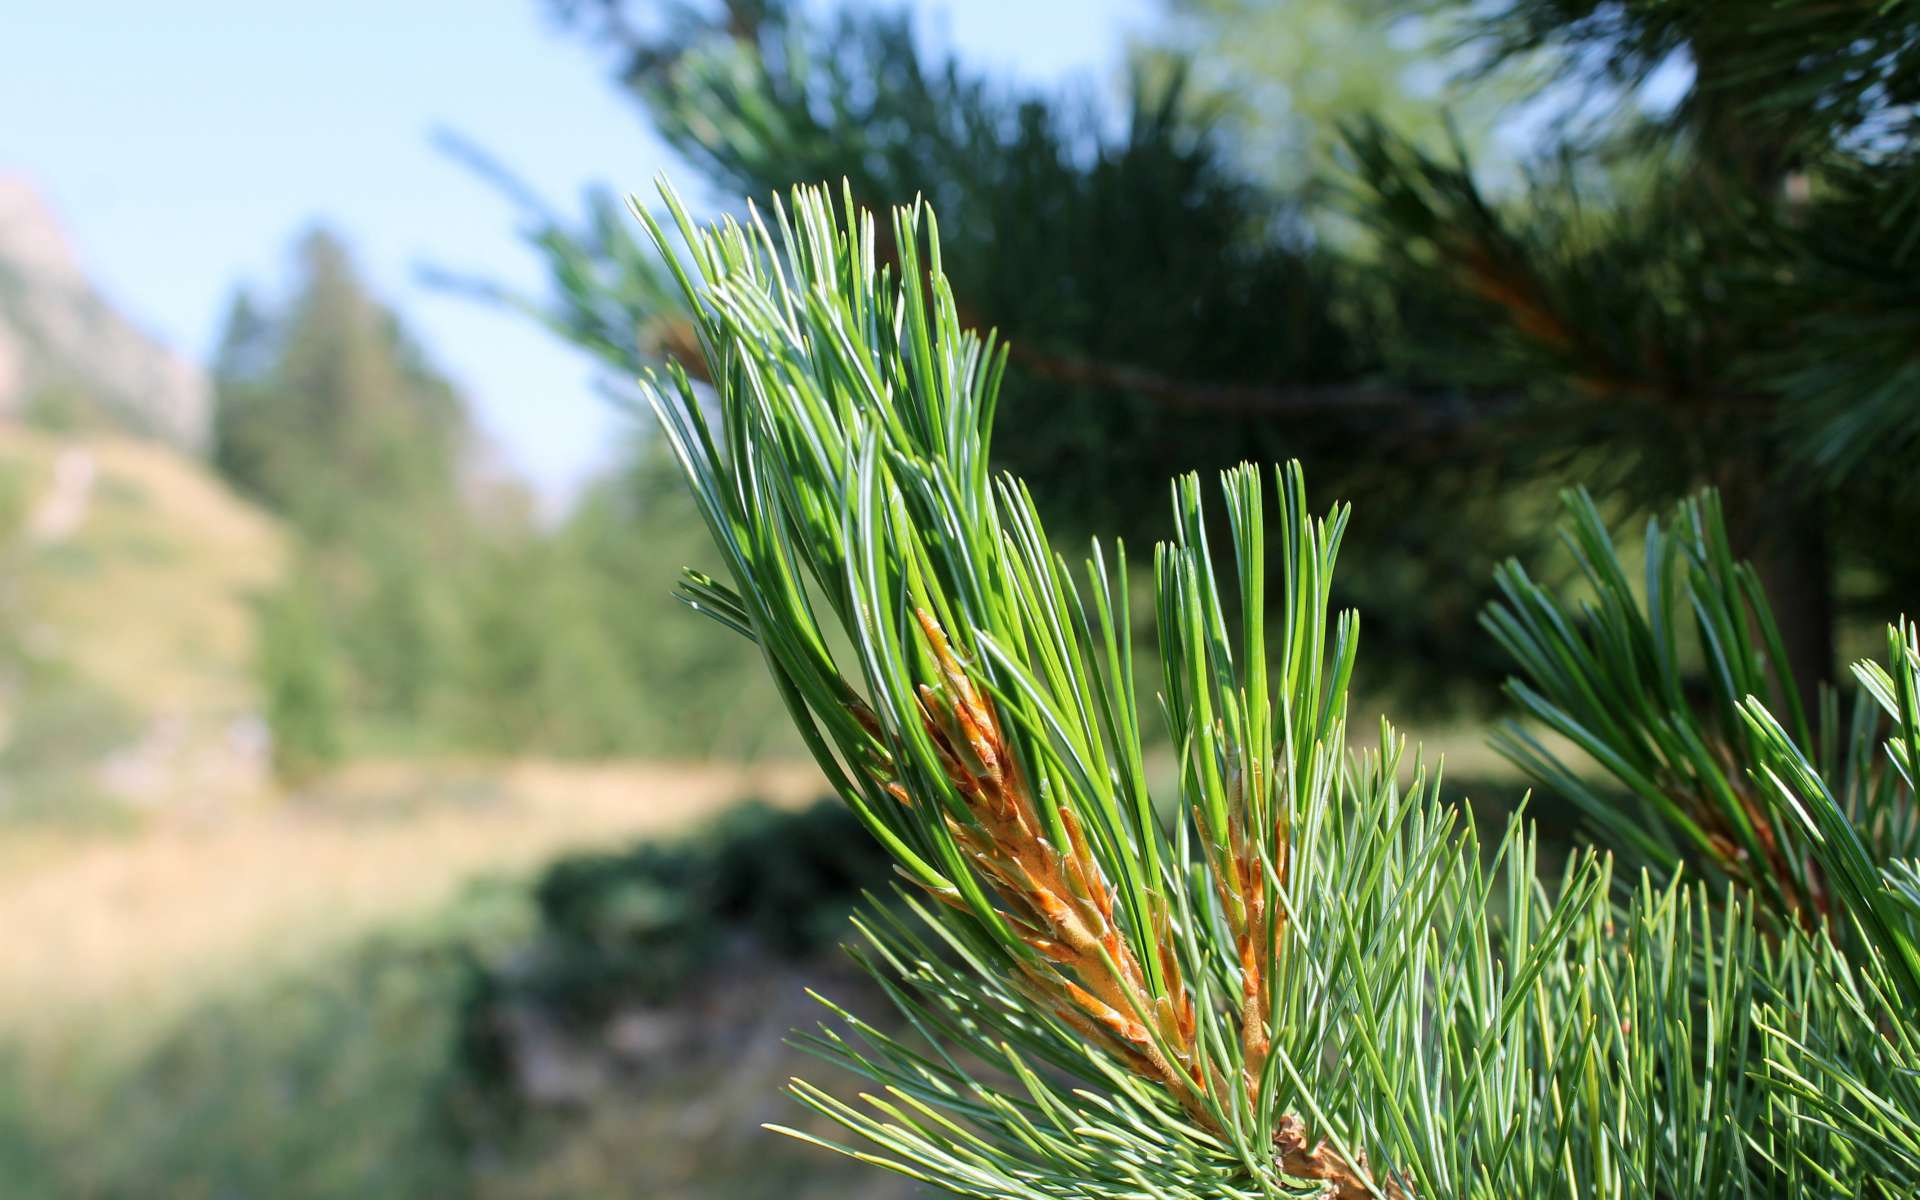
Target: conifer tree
[[1167, 308], [1721, 290], [329, 414], [1704, 286], [328, 411]]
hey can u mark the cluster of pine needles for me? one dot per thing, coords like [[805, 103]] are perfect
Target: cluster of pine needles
[[1297, 971]]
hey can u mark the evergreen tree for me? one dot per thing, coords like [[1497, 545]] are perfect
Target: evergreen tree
[[434, 610], [679, 696], [1658, 306], [328, 411], [1721, 292], [242, 366], [1166, 310]]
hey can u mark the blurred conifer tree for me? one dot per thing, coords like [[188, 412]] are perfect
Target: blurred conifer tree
[[1167, 308], [1701, 272], [1711, 281], [328, 410]]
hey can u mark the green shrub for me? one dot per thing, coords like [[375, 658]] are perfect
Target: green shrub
[[642, 927], [639, 925], [297, 676]]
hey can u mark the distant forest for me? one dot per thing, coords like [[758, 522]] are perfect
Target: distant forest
[[429, 607]]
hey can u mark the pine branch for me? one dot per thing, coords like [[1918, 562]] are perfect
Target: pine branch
[[1299, 968]]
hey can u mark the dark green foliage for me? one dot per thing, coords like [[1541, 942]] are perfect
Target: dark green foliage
[[1829, 74], [1150, 293], [1714, 290], [1165, 311], [639, 926], [1717, 289], [1288, 73]]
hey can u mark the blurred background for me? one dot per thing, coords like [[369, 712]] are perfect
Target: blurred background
[[372, 821]]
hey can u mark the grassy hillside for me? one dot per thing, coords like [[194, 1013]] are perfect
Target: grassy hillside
[[126, 632]]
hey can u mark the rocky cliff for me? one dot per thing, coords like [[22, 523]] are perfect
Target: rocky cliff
[[67, 355]]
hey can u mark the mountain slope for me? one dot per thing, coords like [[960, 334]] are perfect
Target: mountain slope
[[66, 352], [126, 633]]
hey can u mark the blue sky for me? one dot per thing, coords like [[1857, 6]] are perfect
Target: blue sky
[[184, 144]]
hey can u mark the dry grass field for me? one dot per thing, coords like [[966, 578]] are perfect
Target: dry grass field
[[144, 920], [264, 1001]]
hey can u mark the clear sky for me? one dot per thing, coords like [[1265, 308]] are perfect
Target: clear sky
[[183, 144]]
